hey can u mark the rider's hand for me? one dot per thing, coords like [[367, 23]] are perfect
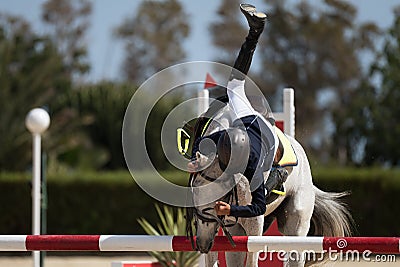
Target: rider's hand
[[222, 208], [192, 166]]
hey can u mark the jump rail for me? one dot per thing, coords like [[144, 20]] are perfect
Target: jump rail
[[382, 245]]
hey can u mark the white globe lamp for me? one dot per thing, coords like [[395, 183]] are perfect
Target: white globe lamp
[[37, 121]]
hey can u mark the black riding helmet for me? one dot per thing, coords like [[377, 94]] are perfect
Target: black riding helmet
[[233, 150]]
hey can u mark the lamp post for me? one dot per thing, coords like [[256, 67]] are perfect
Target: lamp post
[[37, 121]]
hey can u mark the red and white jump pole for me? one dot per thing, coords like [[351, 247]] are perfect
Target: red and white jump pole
[[382, 245]]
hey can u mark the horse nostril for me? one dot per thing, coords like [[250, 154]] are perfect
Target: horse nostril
[[203, 247], [199, 248]]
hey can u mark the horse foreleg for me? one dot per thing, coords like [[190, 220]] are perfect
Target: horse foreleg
[[253, 227], [295, 221], [234, 259]]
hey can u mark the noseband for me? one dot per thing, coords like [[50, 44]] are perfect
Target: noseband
[[206, 215]]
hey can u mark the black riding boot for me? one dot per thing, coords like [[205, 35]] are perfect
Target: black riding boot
[[256, 21], [277, 176]]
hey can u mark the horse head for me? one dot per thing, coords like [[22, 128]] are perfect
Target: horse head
[[206, 225], [209, 185]]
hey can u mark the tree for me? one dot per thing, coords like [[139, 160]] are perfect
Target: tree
[[97, 143], [316, 51], [153, 38], [32, 74], [381, 108], [68, 21]]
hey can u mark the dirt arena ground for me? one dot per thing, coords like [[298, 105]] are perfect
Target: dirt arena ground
[[102, 261]]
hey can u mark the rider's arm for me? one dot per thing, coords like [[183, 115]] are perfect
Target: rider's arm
[[256, 208]]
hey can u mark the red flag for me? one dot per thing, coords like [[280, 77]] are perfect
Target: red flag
[[210, 82]]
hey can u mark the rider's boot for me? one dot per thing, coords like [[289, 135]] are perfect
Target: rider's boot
[[256, 21], [276, 178]]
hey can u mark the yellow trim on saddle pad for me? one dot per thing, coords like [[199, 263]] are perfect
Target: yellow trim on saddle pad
[[289, 157]]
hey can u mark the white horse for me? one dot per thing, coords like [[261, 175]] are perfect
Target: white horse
[[303, 205]]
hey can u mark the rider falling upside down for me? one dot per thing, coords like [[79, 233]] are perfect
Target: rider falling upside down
[[251, 141]]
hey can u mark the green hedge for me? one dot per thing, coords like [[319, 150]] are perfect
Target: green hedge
[[92, 203], [111, 203], [374, 199]]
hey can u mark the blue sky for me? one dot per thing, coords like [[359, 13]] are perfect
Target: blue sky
[[106, 53]]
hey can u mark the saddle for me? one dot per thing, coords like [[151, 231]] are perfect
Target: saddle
[[285, 155]]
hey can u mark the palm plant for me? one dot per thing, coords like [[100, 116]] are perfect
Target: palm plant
[[172, 223]]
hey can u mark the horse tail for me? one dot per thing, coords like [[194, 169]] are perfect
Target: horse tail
[[331, 216]]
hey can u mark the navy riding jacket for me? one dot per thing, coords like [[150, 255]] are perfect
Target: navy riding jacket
[[254, 168]]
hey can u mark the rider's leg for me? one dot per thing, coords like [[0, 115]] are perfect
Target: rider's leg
[[256, 21], [238, 101], [237, 98]]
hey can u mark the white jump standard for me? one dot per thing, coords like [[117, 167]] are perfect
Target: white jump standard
[[381, 245]]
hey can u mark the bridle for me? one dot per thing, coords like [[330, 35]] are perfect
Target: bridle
[[206, 215]]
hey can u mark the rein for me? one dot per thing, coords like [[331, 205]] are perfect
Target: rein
[[206, 215]]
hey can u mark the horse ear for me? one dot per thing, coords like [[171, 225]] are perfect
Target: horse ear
[[198, 156], [201, 159]]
